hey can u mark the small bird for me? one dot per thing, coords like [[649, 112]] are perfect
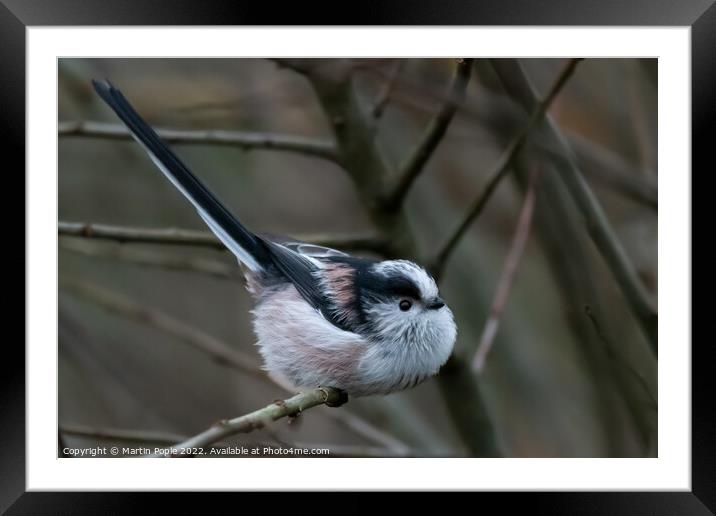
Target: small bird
[[322, 318]]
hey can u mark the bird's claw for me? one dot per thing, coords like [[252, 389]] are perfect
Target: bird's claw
[[342, 399]]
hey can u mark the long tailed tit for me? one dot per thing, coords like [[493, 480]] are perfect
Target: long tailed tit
[[322, 317]]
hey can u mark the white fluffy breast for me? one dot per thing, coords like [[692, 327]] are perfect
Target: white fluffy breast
[[299, 345]]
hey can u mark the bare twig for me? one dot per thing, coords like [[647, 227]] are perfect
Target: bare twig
[[242, 140], [167, 236], [173, 236], [372, 433], [503, 167], [507, 278], [260, 418], [596, 222], [610, 170], [194, 337], [434, 132], [463, 397], [619, 360], [162, 260], [387, 89], [113, 434]]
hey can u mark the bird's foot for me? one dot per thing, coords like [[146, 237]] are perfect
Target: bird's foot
[[342, 399]]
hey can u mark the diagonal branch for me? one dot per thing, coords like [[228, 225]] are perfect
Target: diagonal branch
[[507, 278], [434, 132], [240, 139], [194, 337], [113, 434], [503, 167], [173, 236], [257, 419], [125, 234], [596, 222], [368, 431], [620, 360], [610, 170]]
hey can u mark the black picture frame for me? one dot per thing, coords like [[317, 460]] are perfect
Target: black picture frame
[[17, 15]]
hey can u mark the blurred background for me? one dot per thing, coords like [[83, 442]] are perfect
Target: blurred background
[[151, 334]]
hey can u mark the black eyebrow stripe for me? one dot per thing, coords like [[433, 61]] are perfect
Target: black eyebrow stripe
[[405, 291], [401, 286], [381, 286]]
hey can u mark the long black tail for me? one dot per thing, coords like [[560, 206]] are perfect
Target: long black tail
[[247, 247]]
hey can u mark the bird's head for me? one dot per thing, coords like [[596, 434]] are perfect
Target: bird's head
[[401, 304]]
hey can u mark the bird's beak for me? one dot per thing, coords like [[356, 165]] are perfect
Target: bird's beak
[[436, 304]]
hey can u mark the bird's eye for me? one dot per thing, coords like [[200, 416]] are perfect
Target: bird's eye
[[405, 305]]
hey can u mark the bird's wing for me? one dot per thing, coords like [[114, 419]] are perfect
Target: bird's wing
[[301, 271], [311, 250]]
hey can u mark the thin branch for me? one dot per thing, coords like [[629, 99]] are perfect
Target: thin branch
[[113, 434], [504, 166], [242, 140], [367, 430], [218, 351], [619, 360], [595, 219], [434, 132], [507, 278], [259, 418], [194, 337], [387, 89], [173, 236], [161, 260], [464, 400], [612, 171], [123, 234]]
